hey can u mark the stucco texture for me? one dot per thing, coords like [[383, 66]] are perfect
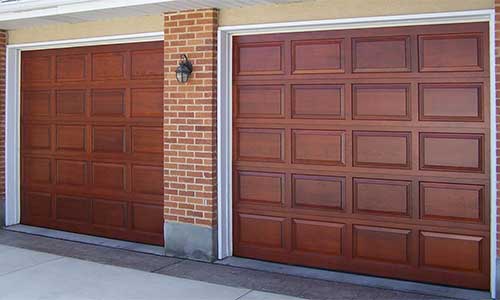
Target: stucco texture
[[65, 31], [336, 9]]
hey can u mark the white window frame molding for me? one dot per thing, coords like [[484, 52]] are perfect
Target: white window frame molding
[[224, 102], [13, 110]]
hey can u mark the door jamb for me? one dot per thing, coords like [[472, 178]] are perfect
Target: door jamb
[[224, 103]]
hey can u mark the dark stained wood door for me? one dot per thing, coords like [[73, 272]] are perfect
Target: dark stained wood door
[[365, 151], [92, 140]]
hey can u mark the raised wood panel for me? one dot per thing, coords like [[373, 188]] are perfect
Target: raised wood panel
[[318, 56], [70, 138], [147, 102], [36, 104], [381, 102], [438, 151], [37, 69], [260, 101], [320, 147], [70, 102], [260, 58], [305, 235], [71, 67], [72, 209], [381, 149], [451, 251], [454, 102], [108, 102], [71, 172], [318, 101], [147, 218], [109, 213], [109, 175], [147, 179], [260, 187], [39, 205], [108, 66], [318, 192], [261, 144], [381, 244], [377, 196], [108, 139], [381, 54], [37, 170], [452, 202], [263, 231], [451, 52], [36, 137], [147, 64], [147, 140]]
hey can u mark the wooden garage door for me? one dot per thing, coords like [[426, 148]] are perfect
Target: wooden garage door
[[92, 140], [365, 151]]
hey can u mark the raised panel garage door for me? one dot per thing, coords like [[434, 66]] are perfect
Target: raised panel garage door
[[365, 150], [92, 140]]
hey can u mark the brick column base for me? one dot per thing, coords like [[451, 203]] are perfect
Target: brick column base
[[190, 118]]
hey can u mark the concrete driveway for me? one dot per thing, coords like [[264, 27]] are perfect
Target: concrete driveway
[[26, 274]]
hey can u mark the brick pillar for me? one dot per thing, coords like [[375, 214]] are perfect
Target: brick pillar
[[190, 119], [3, 43]]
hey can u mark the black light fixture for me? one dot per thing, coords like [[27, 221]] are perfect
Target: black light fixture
[[184, 69]]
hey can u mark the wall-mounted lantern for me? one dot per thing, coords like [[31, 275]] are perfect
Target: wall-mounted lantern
[[184, 69]]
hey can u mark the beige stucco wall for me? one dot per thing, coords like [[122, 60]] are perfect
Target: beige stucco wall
[[297, 11], [333, 9], [63, 31]]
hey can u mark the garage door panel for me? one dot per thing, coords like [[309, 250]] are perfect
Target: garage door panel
[[261, 188], [92, 140], [36, 104], [318, 56], [318, 101], [381, 153], [318, 192], [453, 202], [109, 213], [38, 204], [381, 102], [71, 172], [381, 54], [453, 102], [37, 69], [109, 175], [147, 64], [108, 139], [438, 152], [109, 66], [305, 235], [71, 103], [71, 67], [376, 196], [452, 251], [261, 230], [71, 138], [318, 147], [108, 102], [72, 209], [451, 52], [382, 149], [381, 244], [257, 101], [260, 58]]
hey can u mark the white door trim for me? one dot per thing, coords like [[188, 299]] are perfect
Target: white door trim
[[224, 102], [12, 107]]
